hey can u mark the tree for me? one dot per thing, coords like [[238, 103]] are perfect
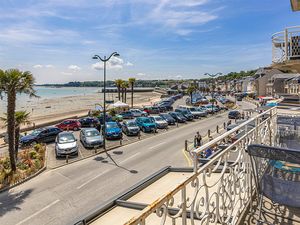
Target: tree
[[131, 83], [21, 117], [191, 89], [124, 86], [14, 81], [118, 83]]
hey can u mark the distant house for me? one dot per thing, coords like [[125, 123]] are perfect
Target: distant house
[[292, 85], [276, 84], [262, 77]]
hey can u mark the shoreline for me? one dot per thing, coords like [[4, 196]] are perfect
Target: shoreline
[[44, 111]]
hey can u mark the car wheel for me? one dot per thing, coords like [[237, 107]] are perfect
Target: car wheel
[[33, 143], [143, 129]]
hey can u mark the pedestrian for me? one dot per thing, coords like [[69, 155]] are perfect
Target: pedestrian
[[198, 139]]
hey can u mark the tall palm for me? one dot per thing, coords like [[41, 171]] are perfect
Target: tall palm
[[191, 89], [118, 83], [125, 86], [14, 81], [21, 118], [131, 83]]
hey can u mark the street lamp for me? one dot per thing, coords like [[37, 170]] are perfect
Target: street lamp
[[104, 60]]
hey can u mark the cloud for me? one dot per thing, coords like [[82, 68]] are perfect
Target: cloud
[[66, 73], [129, 64], [74, 68], [140, 74], [115, 63], [49, 66], [38, 66]]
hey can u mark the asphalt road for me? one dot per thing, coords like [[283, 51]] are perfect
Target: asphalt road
[[62, 195]]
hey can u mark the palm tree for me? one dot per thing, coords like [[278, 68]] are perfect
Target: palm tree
[[124, 86], [131, 82], [118, 83], [14, 81], [21, 117], [191, 89]]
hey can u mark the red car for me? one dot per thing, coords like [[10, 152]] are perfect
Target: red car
[[69, 125]]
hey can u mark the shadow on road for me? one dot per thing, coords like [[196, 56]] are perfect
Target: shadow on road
[[11, 201], [108, 156]]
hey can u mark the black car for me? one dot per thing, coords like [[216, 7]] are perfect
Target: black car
[[167, 117], [42, 135], [89, 122], [178, 117], [186, 113], [234, 115]]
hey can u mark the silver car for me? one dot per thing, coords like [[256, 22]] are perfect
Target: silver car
[[160, 122], [66, 144], [91, 137], [138, 112]]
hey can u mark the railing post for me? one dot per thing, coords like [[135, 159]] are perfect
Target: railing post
[[286, 43], [183, 205]]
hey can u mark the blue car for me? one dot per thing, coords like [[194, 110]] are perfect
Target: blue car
[[113, 131], [146, 124]]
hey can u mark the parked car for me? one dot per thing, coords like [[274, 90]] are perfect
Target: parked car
[[239, 98], [69, 125], [234, 114], [117, 118], [127, 115], [130, 128], [66, 144], [197, 114], [167, 117], [89, 122], [41, 135], [146, 124], [178, 117], [186, 113], [151, 109], [101, 118], [113, 131], [91, 137], [138, 112], [160, 122]]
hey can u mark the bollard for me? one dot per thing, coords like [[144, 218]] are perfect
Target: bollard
[[224, 125], [235, 120], [95, 147], [177, 124], [67, 158], [121, 141], [139, 135], [217, 129], [186, 145], [68, 128], [208, 133]]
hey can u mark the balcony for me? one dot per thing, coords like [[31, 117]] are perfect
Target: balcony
[[286, 49], [217, 190]]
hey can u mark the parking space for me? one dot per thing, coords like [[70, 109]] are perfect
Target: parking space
[[53, 162]]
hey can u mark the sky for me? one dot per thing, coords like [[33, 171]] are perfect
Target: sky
[[156, 39]]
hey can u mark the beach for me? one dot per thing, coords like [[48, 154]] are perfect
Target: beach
[[45, 110]]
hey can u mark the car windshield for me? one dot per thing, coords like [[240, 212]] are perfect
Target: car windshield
[[112, 125], [131, 124], [192, 109], [92, 133], [158, 118], [35, 132], [66, 138], [147, 120]]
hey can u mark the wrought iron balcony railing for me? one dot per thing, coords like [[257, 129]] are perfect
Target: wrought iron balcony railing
[[286, 45], [221, 187]]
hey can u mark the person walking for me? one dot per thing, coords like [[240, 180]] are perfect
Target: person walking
[[198, 139]]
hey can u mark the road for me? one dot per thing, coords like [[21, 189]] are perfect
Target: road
[[61, 195]]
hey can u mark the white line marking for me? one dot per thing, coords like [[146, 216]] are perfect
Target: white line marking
[[155, 146], [90, 180], [130, 157], [38, 212]]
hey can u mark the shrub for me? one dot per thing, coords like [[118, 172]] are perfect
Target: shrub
[[33, 154], [37, 164]]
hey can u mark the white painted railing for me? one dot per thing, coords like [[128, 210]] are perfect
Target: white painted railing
[[286, 45], [218, 191]]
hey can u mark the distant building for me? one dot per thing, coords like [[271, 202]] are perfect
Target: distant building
[[262, 77], [292, 85], [276, 87]]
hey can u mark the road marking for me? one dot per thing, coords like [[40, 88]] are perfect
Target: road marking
[[38, 212], [125, 160], [90, 180], [188, 159], [155, 146]]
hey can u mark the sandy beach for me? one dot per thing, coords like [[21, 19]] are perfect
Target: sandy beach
[[47, 110]]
